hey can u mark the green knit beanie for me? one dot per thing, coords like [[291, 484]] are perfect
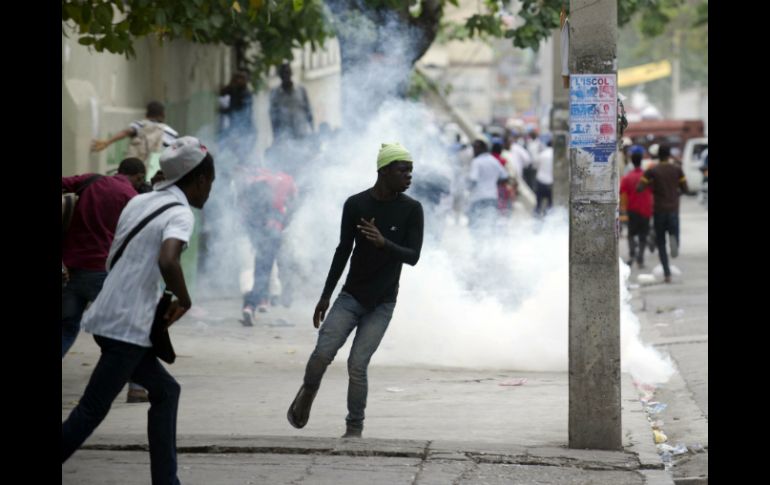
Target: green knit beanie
[[392, 152]]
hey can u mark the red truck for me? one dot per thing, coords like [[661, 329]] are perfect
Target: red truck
[[675, 133]]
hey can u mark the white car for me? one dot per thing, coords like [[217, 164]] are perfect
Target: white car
[[692, 159]]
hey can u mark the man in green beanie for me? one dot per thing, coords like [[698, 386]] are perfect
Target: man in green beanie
[[387, 227]]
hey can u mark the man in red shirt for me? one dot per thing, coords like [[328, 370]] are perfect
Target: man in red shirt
[[87, 242], [266, 201], [639, 208], [668, 183]]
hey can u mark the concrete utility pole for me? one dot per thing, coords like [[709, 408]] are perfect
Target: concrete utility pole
[[559, 128], [594, 293]]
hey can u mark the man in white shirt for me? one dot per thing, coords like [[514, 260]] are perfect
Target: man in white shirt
[[518, 158], [544, 179], [148, 137], [534, 145], [486, 174], [122, 315]]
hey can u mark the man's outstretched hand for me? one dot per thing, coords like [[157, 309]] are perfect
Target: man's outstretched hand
[[320, 312]]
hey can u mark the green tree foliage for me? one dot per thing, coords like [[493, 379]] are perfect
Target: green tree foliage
[[275, 26], [278, 26], [684, 35]]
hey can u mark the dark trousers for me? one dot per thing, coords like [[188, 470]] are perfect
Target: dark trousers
[[665, 222], [638, 230], [267, 243], [82, 288], [543, 192], [119, 362]]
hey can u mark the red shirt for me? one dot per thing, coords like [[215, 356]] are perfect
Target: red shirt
[[282, 191], [639, 202], [88, 239]]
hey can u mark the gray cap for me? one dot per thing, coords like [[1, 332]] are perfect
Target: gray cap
[[178, 159]]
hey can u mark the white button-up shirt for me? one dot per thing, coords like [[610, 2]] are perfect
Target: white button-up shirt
[[545, 167], [485, 172], [125, 307]]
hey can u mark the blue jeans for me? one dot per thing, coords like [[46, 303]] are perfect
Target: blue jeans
[[82, 288], [665, 222], [267, 243], [345, 315], [119, 362]]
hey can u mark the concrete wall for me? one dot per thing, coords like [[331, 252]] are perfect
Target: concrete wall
[[693, 104], [102, 93], [467, 67]]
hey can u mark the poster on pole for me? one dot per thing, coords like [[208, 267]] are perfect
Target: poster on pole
[[593, 115]]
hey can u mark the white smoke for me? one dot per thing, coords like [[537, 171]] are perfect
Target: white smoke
[[497, 302], [643, 362]]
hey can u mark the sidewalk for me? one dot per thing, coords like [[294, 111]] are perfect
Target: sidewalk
[[424, 425], [674, 318]]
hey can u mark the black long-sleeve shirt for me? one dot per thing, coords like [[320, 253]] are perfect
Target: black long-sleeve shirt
[[374, 273]]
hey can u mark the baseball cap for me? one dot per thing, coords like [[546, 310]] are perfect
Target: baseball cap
[[179, 158]]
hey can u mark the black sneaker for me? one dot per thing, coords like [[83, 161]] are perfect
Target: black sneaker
[[299, 410], [352, 432]]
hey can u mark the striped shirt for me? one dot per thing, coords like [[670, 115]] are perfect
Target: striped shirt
[[169, 134], [125, 307]]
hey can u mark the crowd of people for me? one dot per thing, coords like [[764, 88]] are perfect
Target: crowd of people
[[123, 236]]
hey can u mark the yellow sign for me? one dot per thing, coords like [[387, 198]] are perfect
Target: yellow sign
[[644, 73]]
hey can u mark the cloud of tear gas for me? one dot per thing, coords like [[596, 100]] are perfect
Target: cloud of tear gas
[[498, 302], [642, 361]]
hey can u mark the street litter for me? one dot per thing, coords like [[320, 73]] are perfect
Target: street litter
[[291, 351], [644, 386], [665, 448], [680, 449], [659, 436], [666, 457], [394, 389], [514, 382], [656, 407], [657, 424], [697, 448]]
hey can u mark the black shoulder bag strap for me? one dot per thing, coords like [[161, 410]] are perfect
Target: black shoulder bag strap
[[88, 181], [159, 337], [138, 228]]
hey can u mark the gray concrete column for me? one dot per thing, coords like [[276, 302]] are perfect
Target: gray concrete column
[[559, 127], [594, 294]]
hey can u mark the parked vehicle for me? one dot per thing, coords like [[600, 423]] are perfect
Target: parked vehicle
[[692, 160]]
